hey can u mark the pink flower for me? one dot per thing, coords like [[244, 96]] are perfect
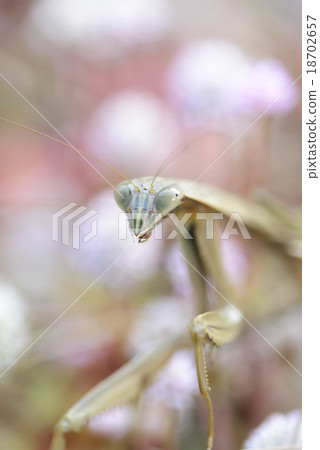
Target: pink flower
[[267, 82]]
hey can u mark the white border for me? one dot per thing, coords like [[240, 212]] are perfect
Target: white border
[[311, 249]]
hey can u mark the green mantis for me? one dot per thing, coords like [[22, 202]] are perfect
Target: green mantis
[[147, 202]]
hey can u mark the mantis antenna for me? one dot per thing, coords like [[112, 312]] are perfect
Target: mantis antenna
[[161, 168], [177, 153], [24, 127]]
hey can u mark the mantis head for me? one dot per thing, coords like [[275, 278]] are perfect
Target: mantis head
[[147, 203]]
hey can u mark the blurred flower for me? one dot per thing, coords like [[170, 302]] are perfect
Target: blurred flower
[[129, 22], [114, 423], [176, 384], [139, 262], [203, 78], [174, 387], [157, 318], [265, 83], [25, 230], [136, 128], [14, 330], [212, 80], [88, 343], [278, 430]]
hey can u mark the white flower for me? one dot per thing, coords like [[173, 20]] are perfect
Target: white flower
[[14, 330], [129, 22], [133, 130], [278, 430]]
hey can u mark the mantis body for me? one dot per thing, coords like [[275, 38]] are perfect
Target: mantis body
[[147, 202]]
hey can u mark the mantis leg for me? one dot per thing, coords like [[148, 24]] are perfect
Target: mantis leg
[[124, 385], [204, 261], [217, 327]]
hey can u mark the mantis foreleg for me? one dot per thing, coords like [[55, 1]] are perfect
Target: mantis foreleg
[[124, 385], [217, 327]]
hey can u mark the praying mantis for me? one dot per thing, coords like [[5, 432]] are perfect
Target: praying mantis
[[148, 201]]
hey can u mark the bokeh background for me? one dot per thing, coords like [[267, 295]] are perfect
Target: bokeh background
[[130, 82]]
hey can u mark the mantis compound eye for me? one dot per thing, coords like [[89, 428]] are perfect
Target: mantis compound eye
[[123, 195], [168, 199]]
